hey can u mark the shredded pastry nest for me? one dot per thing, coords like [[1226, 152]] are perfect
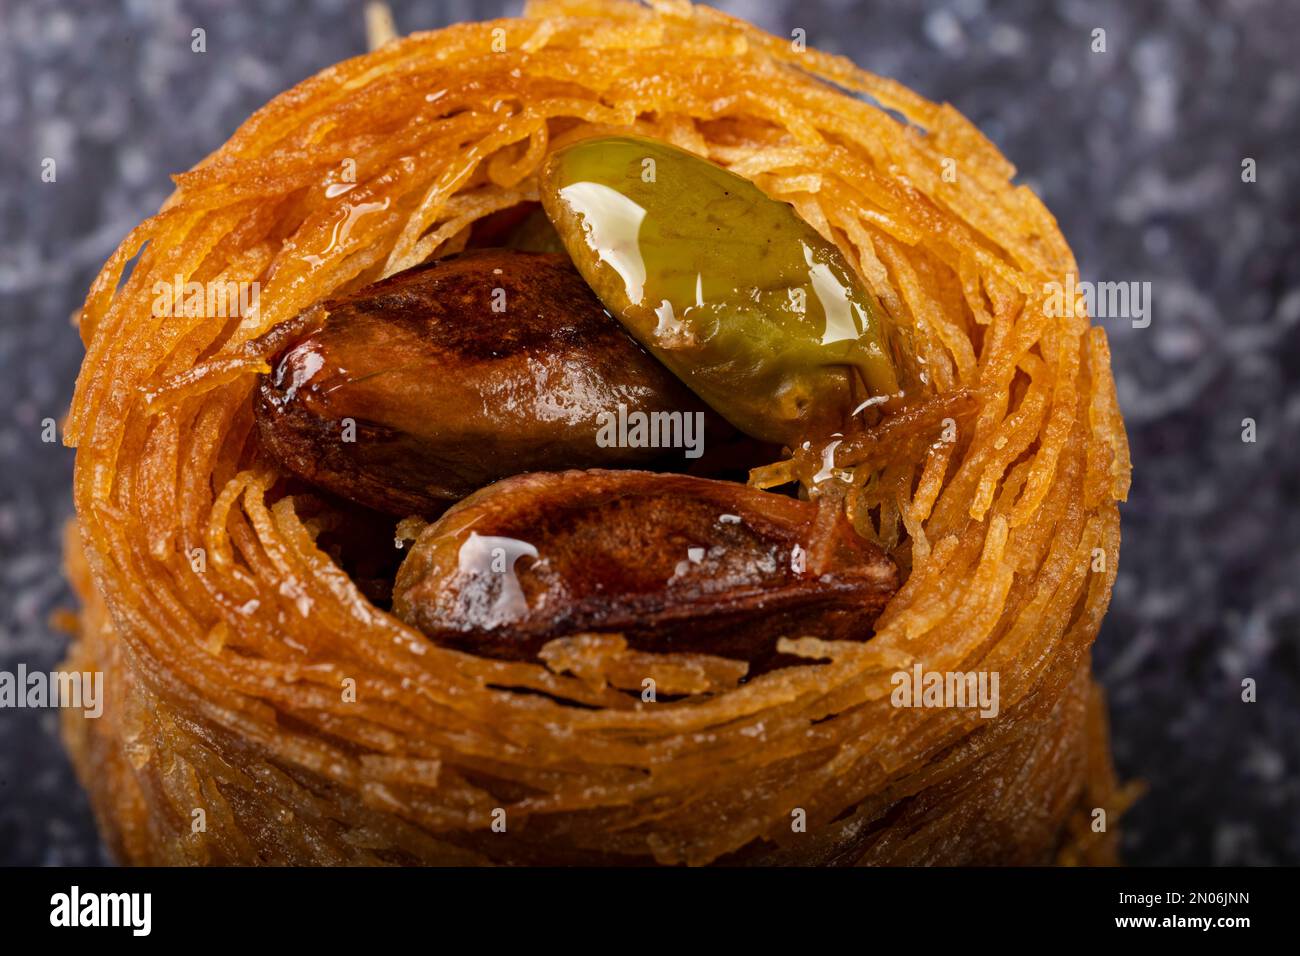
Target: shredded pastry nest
[[250, 680]]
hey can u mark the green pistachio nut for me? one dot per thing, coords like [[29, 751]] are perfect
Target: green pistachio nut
[[733, 291]]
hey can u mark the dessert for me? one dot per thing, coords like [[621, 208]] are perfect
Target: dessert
[[596, 649]]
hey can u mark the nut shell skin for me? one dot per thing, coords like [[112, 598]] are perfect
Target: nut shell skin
[[673, 562], [448, 394]]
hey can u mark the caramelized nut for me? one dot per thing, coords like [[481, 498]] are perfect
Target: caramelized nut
[[673, 562], [417, 390]]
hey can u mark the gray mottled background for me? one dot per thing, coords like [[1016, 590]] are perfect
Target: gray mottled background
[[1137, 150]]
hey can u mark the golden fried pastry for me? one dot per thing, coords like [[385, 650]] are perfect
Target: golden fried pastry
[[758, 510]]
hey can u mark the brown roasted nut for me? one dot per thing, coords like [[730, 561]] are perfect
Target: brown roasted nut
[[673, 562], [417, 390]]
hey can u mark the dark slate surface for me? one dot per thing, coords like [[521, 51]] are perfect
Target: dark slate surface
[[1138, 151]]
